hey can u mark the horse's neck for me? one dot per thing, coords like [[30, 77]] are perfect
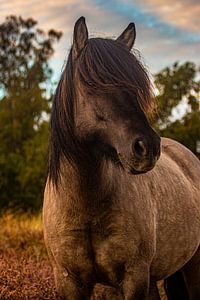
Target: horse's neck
[[88, 186]]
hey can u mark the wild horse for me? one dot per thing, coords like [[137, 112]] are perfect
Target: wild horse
[[116, 211]]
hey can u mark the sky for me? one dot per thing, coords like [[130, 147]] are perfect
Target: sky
[[167, 31]]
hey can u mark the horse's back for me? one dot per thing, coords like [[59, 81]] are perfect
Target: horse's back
[[183, 158]]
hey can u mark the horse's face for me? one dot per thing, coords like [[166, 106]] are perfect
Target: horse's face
[[112, 121], [116, 123]]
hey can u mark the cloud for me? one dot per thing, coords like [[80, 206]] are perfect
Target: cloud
[[150, 16], [182, 13], [160, 35]]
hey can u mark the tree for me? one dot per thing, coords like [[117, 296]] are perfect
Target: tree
[[175, 84], [25, 51]]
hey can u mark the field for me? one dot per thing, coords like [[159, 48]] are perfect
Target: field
[[24, 267]]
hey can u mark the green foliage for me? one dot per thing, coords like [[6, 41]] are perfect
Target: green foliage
[[186, 130], [175, 84], [25, 51]]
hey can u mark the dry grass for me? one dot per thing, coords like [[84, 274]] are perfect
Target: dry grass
[[24, 266]]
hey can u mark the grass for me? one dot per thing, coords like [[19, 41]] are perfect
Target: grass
[[24, 266]]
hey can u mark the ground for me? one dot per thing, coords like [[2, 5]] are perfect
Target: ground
[[24, 266]]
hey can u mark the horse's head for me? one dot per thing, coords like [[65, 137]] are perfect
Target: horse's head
[[102, 101], [113, 94]]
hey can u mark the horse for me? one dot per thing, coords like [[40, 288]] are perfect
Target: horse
[[121, 205]]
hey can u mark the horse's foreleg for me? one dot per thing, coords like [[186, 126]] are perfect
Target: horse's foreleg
[[135, 285], [153, 291], [69, 287], [191, 273]]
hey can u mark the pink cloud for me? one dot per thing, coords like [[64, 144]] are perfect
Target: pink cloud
[[182, 13]]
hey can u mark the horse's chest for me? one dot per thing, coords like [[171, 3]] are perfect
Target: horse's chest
[[113, 246], [110, 257]]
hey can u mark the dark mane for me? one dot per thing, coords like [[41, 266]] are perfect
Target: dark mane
[[104, 66], [62, 137]]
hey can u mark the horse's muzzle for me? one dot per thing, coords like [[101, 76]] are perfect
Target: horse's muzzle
[[144, 166], [145, 153]]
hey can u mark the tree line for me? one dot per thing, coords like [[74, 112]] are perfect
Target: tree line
[[25, 75]]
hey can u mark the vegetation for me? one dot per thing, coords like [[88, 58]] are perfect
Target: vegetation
[[25, 271], [25, 51], [176, 85], [25, 77]]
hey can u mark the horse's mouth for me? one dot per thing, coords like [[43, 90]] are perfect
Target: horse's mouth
[[140, 171], [135, 167]]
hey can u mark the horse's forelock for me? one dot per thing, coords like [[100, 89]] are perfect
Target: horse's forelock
[[105, 66]]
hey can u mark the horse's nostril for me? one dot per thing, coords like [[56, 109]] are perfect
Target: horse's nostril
[[139, 148]]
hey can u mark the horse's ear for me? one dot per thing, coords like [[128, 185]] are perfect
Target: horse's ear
[[80, 37], [128, 36]]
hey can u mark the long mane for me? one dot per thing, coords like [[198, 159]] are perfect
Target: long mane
[[103, 66]]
